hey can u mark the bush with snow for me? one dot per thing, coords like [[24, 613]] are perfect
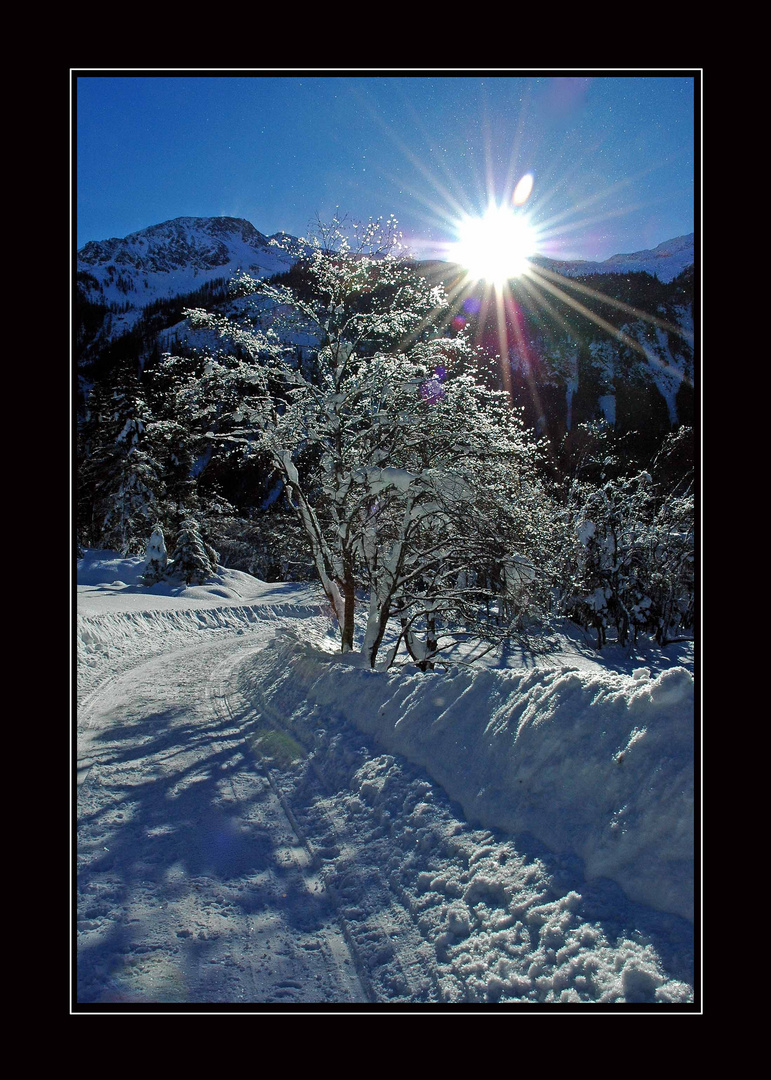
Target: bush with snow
[[156, 558], [629, 559]]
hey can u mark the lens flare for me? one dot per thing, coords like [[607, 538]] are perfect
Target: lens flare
[[522, 190]]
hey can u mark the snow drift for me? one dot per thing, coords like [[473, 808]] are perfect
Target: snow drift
[[591, 762]]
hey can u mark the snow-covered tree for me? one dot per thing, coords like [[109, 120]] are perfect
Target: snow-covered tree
[[671, 569], [612, 531], [193, 561], [410, 478], [120, 479], [631, 566], [156, 557]]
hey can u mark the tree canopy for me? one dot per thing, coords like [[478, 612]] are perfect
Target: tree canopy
[[414, 483]]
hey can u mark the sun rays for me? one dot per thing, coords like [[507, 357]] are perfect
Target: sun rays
[[498, 252], [523, 205]]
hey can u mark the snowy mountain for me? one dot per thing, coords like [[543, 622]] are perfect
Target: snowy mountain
[[178, 257], [665, 261], [592, 341]]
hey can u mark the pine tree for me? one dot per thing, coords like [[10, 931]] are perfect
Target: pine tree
[[193, 561], [120, 485]]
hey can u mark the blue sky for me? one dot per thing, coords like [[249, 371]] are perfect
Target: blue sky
[[611, 156]]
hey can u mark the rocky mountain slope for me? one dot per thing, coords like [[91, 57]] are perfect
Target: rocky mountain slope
[[178, 257]]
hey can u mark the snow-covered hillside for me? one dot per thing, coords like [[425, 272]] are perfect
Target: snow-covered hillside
[[122, 277], [179, 256], [665, 261], [518, 831]]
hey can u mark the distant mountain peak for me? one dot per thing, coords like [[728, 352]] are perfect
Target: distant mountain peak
[[666, 261], [668, 248], [180, 255]]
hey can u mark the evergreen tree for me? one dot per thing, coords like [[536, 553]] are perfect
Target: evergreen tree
[[156, 558], [193, 561], [120, 484]]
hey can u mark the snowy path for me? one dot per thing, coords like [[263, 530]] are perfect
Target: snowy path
[[193, 884], [240, 843]]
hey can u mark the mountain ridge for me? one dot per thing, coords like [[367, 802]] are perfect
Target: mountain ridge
[[179, 255], [632, 364], [666, 261]]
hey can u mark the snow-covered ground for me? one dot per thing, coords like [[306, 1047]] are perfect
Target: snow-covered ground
[[262, 821]]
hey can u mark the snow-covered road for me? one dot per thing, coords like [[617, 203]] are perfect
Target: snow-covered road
[[239, 846], [194, 885]]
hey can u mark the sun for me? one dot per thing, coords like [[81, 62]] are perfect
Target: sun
[[495, 247]]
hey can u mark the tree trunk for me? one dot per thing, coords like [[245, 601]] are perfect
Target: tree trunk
[[349, 600], [431, 643], [376, 628]]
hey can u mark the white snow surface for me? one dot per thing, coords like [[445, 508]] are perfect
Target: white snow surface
[[517, 832], [595, 763]]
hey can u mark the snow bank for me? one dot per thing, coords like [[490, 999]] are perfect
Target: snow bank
[[108, 583], [591, 762], [119, 621]]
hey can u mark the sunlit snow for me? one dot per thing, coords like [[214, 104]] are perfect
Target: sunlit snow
[[513, 831]]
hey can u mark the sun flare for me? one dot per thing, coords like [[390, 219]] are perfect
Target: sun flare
[[495, 247]]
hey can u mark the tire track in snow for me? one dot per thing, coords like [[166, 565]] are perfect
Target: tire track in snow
[[114, 641], [442, 910], [491, 925]]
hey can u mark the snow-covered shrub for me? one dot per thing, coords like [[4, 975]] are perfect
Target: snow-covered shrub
[[631, 567], [156, 558], [670, 569]]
